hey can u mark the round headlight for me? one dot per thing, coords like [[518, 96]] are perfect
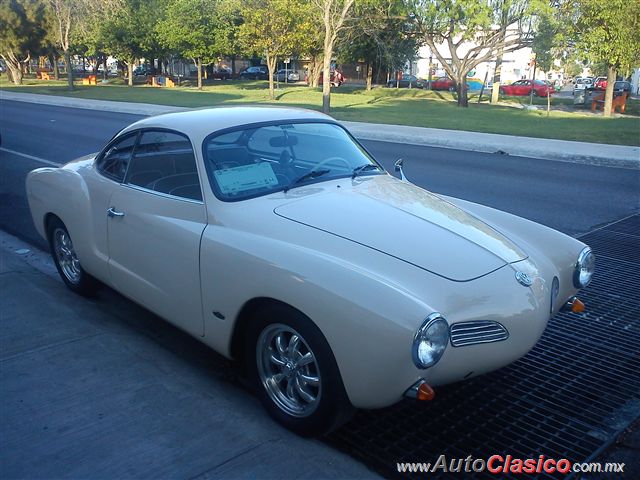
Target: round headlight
[[585, 267], [430, 341]]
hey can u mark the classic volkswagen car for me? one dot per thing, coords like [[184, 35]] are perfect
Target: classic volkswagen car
[[274, 237]]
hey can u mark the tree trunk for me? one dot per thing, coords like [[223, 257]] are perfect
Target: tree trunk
[[326, 80], [67, 62], [14, 74], [105, 72], [199, 67], [463, 100], [130, 72], [54, 66], [608, 94], [271, 66], [233, 66], [497, 74], [314, 71], [369, 76], [533, 84], [548, 97]]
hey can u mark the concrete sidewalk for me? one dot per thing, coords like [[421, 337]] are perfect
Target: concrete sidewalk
[[561, 150], [103, 389]]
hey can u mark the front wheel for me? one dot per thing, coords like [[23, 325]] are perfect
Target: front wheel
[[294, 372], [66, 260]]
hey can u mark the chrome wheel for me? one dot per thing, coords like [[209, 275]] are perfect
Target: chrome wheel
[[288, 370], [66, 255]]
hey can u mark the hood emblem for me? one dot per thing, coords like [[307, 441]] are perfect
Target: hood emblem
[[524, 279]]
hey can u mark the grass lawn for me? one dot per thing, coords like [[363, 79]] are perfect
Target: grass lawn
[[381, 105]]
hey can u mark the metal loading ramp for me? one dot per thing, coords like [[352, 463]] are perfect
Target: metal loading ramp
[[570, 397]]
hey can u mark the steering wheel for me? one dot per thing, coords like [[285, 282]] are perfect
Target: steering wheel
[[330, 159]]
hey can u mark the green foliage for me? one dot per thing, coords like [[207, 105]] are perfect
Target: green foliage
[[379, 34], [545, 42], [607, 31], [21, 27], [275, 27], [123, 34], [191, 27]]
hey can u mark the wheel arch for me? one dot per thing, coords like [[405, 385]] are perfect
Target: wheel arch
[[246, 314]]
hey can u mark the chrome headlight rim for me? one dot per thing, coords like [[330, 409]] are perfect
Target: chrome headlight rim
[[422, 333], [585, 255]]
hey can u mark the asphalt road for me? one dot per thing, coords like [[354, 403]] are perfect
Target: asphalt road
[[573, 198]]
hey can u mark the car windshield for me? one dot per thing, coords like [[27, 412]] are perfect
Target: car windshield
[[256, 161]]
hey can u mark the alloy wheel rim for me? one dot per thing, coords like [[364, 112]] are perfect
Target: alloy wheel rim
[[288, 370], [66, 255]]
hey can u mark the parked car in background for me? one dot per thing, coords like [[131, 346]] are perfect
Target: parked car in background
[[221, 73], [523, 87], [337, 78], [600, 83], [443, 83], [274, 237], [406, 81], [258, 72], [143, 70], [622, 86], [288, 75]]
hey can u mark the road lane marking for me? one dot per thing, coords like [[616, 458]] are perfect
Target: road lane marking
[[31, 157]]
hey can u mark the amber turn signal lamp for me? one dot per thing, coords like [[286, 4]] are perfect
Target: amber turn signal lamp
[[577, 306], [425, 392]]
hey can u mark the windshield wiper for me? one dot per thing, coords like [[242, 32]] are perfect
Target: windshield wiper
[[307, 176], [363, 168]]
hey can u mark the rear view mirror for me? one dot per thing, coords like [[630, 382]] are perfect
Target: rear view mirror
[[288, 141]]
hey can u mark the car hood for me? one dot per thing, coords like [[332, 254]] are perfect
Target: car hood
[[408, 223]]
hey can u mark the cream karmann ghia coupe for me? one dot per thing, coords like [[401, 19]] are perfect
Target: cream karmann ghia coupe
[[272, 236]]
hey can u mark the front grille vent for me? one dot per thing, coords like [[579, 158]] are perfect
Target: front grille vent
[[477, 331]]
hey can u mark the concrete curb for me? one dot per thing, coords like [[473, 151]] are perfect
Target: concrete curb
[[559, 150]]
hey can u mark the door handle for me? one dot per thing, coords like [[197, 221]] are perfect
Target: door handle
[[114, 213]]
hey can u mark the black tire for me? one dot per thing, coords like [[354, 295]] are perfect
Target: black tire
[[535, 94], [501, 91], [71, 272], [331, 407], [452, 89]]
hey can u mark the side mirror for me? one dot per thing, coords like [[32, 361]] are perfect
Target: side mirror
[[398, 168]]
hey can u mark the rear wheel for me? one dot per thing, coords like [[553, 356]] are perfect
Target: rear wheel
[[294, 372], [66, 260]]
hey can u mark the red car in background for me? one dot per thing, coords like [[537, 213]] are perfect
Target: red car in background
[[443, 83], [600, 83], [523, 87], [337, 78]]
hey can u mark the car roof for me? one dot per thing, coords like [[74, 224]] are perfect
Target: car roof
[[202, 122]]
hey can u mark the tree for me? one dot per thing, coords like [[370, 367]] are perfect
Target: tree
[[190, 28], [606, 32], [272, 28], [464, 33], [334, 14], [123, 33], [544, 46], [21, 33], [74, 17], [380, 36], [228, 36]]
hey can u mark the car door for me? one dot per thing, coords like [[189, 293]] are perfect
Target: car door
[[155, 222]]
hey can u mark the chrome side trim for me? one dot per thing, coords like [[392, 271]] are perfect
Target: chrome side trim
[[162, 194], [476, 332]]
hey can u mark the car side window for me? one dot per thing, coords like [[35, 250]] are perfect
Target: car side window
[[164, 162], [113, 163]]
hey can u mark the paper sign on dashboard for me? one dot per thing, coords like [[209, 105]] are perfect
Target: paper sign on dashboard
[[245, 177]]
